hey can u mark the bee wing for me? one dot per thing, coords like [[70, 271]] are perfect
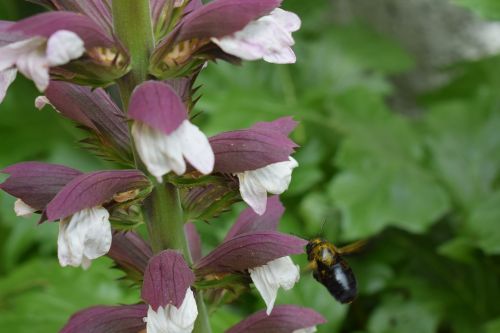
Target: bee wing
[[353, 247]]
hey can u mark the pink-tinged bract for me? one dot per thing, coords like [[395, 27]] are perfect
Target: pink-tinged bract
[[220, 18], [108, 319], [130, 251], [283, 319], [46, 24], [37, 183], [93, 189], [97, 10], [253, 148], [284, 125], [93, 109], [157, 105], [249, 250], [194, 241], [166, 280], [249, 221]]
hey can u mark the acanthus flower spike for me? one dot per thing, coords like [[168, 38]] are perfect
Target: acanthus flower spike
[[259, 157], [163, 135], [167, 290]]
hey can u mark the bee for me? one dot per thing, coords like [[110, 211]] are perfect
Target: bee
[[331, 270]]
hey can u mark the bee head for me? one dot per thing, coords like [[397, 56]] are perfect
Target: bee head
[[313, 243]]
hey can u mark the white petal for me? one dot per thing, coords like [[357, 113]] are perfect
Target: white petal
[[22, 208], [10, 53], [273, 178], [7, 76], [267, 38], [252, 192], [163, 153], [62, 47], [29, 57], [160, 154], [34, 66], [282, 56], [281, 272], [84, 236], [195, 147], [288, 20], [173, 320], [41, 102], [311, 329]]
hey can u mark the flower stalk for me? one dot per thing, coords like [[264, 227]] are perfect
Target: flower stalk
[[164, 218], [132, 25], [163, 210]]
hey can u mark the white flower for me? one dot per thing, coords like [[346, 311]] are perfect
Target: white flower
[[268, 38], [23, 209], [7, 76], [84, 236], [34, 56], [170, 319], [164, 153], [311, 329], [281, 272], [273, 178], [41, 102]]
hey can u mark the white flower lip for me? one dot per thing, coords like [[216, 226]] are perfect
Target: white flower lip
[[7, 76], [268, 38], [62, 47], [84, 236], [171, 319], [273, 178], [163, 153], [21, 208], [34, 56], [281, 272]]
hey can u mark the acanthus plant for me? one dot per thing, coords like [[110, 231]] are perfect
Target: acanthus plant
[[173, 176]]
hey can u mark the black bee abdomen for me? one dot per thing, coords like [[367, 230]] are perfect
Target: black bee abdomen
[[339, 280]]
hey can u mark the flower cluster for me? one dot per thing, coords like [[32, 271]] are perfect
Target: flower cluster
[[71, 53]]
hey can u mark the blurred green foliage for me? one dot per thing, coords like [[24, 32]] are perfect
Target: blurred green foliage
[[424, 189]]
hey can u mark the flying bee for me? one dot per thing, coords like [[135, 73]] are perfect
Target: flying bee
[[331, 270]]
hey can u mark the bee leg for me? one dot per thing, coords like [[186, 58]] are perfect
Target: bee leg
[[311, 266]]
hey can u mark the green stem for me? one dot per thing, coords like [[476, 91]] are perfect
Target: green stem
[[132, 23], [162, 209], [202, 324], [164, 217]]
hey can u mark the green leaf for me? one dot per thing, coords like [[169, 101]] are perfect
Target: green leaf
[[464, 141], [42, 294], [492, 326], [357, 41], [383, 180], [396, 315], [487, 8], [483, 226]]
